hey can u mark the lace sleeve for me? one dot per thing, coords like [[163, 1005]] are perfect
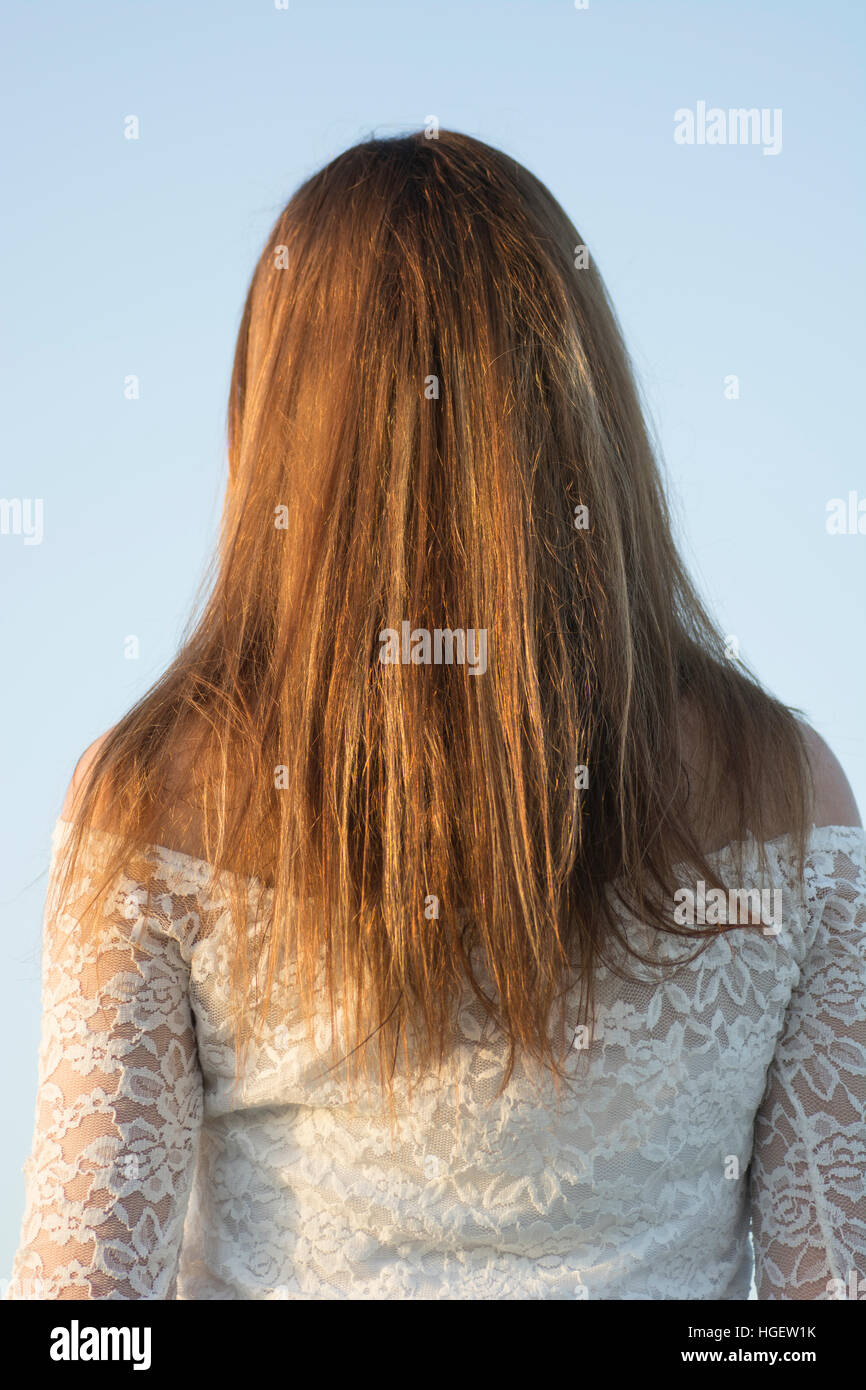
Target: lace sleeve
[[808, 1175], [118, 1103]]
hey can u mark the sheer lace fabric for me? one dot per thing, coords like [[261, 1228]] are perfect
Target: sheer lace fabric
[[725, 1097]]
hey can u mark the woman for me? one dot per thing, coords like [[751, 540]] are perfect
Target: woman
[[376, 969]]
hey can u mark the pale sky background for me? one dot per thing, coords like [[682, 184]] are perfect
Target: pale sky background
[[128, 257]]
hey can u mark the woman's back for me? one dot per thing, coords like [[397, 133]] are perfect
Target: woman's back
[[730, 1089]]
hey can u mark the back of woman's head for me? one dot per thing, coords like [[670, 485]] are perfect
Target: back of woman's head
[[439, 694]]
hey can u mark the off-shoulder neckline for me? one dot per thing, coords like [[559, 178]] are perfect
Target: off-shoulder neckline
[[203, 870]]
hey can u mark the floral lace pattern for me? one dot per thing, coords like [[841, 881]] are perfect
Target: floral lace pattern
[[721, 1098]]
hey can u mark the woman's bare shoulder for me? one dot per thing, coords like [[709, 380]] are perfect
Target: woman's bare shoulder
[[175, 821], [81, 775], [714, 802], [834, 799], [178, 825]]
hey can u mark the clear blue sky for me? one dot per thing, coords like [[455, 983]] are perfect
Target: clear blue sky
[[132, 257]]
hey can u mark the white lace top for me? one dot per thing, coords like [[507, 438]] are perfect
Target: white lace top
[[727, 1095]]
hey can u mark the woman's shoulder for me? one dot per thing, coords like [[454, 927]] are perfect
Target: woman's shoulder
[[176, 825], [81, 775], [173, 852], [716, 796], [834, 802]]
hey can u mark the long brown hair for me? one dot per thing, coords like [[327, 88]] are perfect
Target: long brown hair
[[433, 420]]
